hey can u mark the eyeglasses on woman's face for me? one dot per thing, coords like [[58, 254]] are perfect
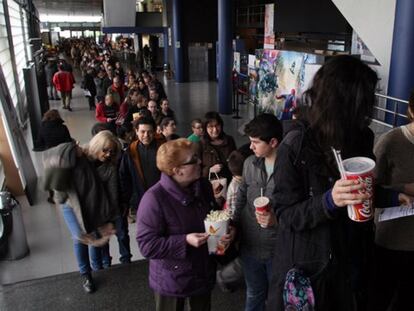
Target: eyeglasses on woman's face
[[194, 160]]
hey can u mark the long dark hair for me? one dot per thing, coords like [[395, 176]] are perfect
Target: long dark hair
[[341, 97]]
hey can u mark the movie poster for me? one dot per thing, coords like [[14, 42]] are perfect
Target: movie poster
[[269, 34], [281, 79]]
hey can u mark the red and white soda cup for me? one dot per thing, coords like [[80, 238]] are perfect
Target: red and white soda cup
[[361, 169], [262, 205]]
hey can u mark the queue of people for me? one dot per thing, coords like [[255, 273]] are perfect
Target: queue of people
[[302, 253]]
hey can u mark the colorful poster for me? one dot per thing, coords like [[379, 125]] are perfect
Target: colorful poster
[[269, 34], [281, 79]]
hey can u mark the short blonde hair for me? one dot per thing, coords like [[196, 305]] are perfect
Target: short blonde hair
[[102, 140], [172, 154]]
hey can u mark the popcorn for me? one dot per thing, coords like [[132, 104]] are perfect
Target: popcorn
[[216, 216]]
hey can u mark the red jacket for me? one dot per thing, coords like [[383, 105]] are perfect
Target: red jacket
[[100, 112], [63, 81]]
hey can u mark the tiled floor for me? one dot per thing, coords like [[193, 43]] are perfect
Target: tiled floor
[[49, 240]]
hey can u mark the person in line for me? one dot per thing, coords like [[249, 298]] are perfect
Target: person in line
[[64, 83], [394, 239], [166, 111], [52, 132], [258, 230], [197, 128], [107, 112], [143, 88], [89, 86], [85, 182], [50, 70], [117, 90], [138, 170], [235, 162], [102, 83], [152, 107], [168, 128], [215, 146], [315, 236], [170, 230]]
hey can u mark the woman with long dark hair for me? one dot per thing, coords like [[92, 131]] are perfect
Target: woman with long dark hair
[[216, 146], [315, 234]]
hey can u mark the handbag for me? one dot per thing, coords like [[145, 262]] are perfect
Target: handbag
[[219, 186]]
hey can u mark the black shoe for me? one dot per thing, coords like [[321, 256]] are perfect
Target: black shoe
[[88, 284], [50, 200], [70, 109], [57, 98]]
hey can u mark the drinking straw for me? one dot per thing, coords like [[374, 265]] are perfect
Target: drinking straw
[[261, 192], [338, 159]]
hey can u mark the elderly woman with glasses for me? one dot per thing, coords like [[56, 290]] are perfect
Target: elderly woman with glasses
[[170, 230], [85, 180]]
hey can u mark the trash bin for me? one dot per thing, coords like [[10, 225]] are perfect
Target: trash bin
[[13, 234]]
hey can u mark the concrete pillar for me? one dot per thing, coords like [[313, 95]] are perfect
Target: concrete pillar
[[225, 56], [177, 7], [401, 78]]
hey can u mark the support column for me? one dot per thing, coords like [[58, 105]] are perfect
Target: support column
[[165, 37], [225, 56], [401, 79], [177, 40], [165, 25]]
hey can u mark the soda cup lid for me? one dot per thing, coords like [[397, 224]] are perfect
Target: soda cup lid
[[358, 165]]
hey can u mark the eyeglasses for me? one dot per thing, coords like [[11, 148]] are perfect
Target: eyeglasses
[[194, 160]]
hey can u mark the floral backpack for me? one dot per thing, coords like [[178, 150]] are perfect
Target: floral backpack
[[297, 292]]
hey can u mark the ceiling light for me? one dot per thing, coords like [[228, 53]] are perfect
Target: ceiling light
[[70, 18]]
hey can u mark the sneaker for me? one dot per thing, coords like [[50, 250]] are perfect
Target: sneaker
[[87, 283]]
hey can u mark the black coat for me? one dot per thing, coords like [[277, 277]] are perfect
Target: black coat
[[89, 84], [52, 133], [330, 248]]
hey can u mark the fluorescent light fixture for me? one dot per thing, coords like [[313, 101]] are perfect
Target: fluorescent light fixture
[[70, 18]]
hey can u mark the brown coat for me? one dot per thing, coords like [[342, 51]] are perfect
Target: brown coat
[[216, 154]]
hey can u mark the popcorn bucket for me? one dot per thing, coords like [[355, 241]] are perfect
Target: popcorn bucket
[[361, 169], [216, 229]]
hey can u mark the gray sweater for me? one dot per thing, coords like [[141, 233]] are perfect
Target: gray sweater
[[395, 167], [255, 241]]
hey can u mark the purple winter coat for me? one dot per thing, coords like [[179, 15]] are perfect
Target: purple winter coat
[[166, 214]]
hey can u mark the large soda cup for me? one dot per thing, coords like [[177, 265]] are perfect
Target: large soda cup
[[361, 169], [262, 205]]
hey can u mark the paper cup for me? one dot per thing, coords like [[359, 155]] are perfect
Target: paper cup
[[361, 169], [216, 230], [262, 204]]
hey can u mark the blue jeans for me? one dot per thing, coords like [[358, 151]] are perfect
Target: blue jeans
[[82, 251], [121, 226], [257, 274]]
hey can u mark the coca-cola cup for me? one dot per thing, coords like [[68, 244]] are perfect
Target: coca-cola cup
[[361, 169], [262, 205]]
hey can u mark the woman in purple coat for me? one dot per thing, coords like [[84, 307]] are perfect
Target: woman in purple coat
[[170, 230]]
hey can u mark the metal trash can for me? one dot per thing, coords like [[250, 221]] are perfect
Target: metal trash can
[[13, 227]]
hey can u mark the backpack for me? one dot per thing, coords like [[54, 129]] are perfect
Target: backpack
[[297, 292]]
